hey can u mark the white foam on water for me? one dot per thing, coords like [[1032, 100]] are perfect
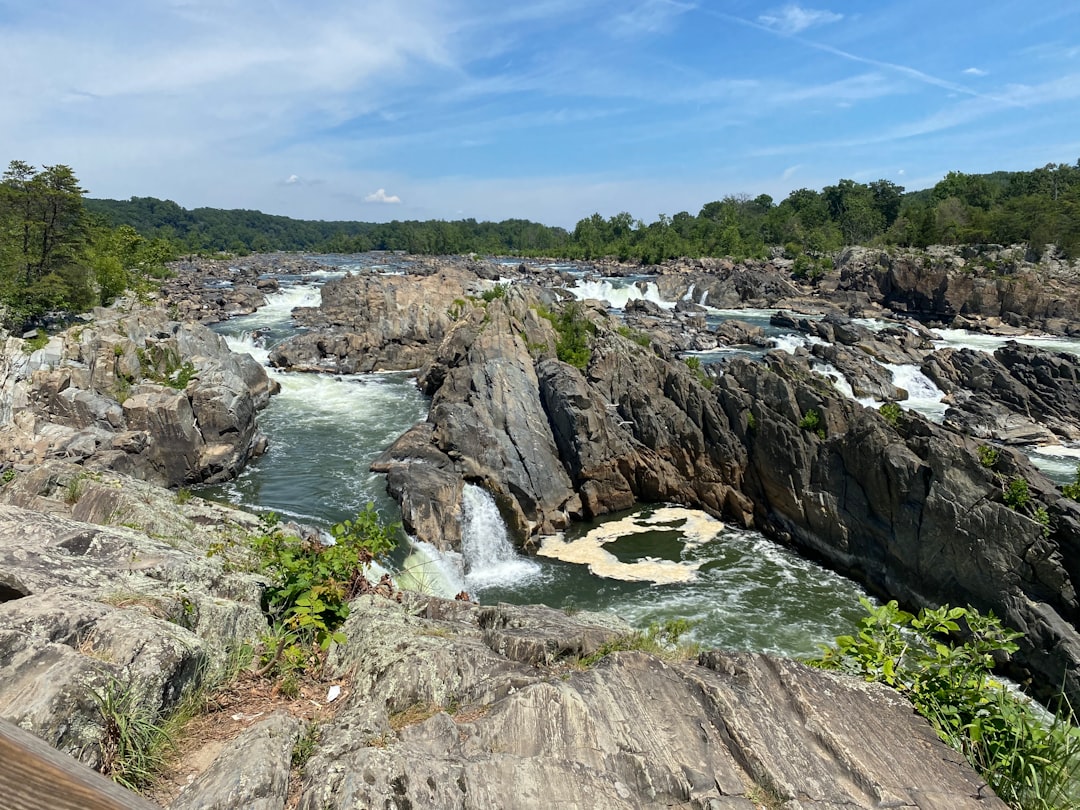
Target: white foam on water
[[695, 528], [923, 396], [616, 293]]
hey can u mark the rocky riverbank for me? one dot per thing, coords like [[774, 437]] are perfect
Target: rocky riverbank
[[106, 580], [442, 703]]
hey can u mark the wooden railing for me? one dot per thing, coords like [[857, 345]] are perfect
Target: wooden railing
[[34, 776]]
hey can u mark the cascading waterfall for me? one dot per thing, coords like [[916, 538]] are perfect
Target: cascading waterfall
[[489, 558], [617, 293]]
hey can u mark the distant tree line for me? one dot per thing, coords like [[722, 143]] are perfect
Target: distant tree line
[[1036, 207], [56, 257], [207, 230]]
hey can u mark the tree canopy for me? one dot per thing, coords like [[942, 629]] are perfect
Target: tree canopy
[[54, 255]]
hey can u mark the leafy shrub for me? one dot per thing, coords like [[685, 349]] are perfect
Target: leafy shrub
[[812, 421], [1017, 494], [1073, 490], [498, 291], [891, 413], [988, 456], [1028, 763], [694, 364], [574, 333], [312, 583]]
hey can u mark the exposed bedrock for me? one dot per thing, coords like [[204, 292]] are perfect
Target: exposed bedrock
[[909, 509], [554, 443], [991, 288], [137, 393], [372, 322], [1017, 395], [504, 713]]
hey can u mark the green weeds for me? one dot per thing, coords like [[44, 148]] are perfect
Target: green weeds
[[1031, 764]]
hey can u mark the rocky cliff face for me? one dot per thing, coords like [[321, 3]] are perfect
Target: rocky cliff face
[[137, 393], [553, 443], [909, 509], [970, 287]]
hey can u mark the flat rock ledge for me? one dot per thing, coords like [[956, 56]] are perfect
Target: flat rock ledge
[[454, 705]]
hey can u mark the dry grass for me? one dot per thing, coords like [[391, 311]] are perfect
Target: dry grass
[[230, 711]]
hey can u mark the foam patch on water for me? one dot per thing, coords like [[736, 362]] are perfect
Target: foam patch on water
[[696, 528], [963, 339]]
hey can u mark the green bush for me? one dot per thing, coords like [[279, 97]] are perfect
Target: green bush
[[694, 364], [498, 291], [811, 421], [1028, 762], [640, 338], [1072, 490], [312, 583], [574, 333], [1017, 494], [988, 456], [891, 413]]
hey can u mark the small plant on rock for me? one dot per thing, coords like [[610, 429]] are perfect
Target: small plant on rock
[[891, 413], [1070, 490], [988, 456], [1017, 494], [812, 421]]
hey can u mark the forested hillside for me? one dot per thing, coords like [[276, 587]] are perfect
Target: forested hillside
[[1038, 207]]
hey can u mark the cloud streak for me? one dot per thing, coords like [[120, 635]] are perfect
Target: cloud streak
[[792, 19]]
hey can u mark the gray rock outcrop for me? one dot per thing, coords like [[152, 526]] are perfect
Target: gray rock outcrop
[[137, 393], [448, 711], [93, 609]]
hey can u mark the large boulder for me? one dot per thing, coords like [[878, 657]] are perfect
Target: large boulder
[[371, 322]]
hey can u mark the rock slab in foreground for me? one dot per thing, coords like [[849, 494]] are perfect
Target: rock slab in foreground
[[438, 718]]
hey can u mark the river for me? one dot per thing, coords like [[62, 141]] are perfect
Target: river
[[648, 565]]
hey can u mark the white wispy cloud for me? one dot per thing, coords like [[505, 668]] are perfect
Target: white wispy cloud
[[380, 196], [974, 71], [649, 17], [791, 19]]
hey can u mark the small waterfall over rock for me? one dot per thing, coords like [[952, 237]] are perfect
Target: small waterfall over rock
[[489, 557]]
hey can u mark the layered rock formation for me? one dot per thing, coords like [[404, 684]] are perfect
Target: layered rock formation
[[106, 589], [991, 287], [444, 704], [908, 510], [137, 393], [373, 322]]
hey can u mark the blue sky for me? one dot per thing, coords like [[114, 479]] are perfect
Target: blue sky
[[549, 110]]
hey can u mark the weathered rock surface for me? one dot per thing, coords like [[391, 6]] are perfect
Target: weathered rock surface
[[446, 712], [990, 289], [552, 443], [252, 772], [1017, 395], [909, 510], [137, 393], [107, 592], [374, 322]]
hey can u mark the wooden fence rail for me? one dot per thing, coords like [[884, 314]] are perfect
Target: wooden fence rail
[[34, 776]]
